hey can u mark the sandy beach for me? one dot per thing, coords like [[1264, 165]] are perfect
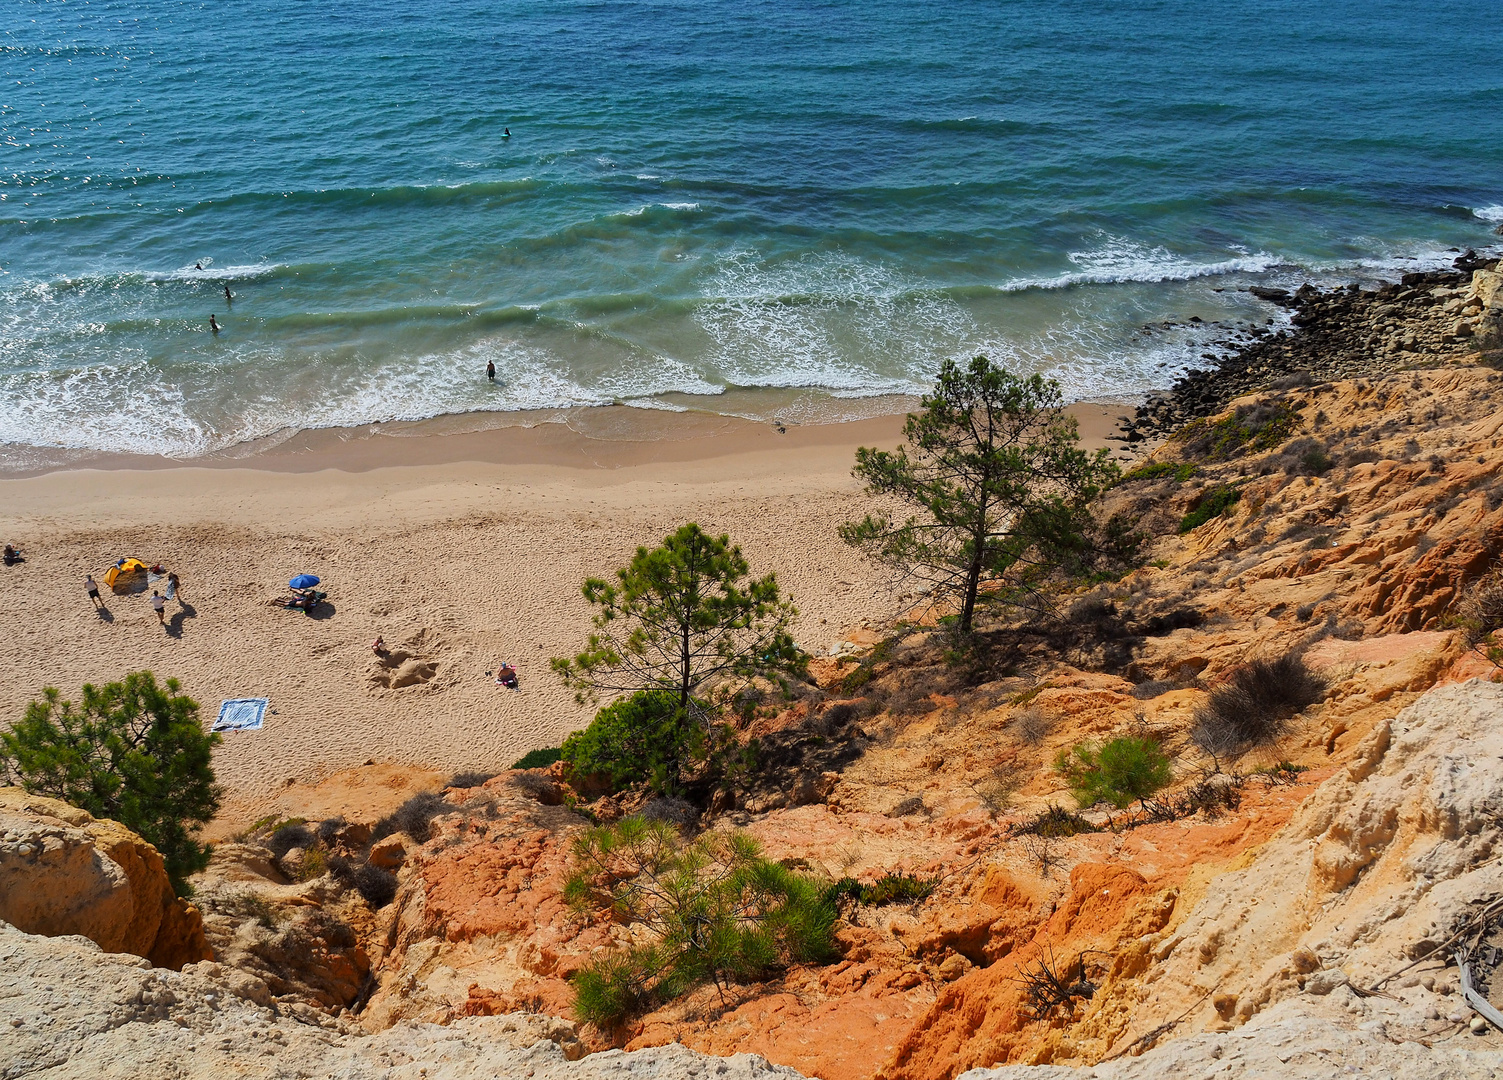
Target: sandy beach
[[462, 548]]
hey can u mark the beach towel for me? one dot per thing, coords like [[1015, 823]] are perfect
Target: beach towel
[[241, 714]]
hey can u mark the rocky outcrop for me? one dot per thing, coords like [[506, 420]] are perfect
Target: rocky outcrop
[[1377, 869], [72, 1012], [62, 871]]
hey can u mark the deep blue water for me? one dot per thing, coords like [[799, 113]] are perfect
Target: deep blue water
[[822, 200]]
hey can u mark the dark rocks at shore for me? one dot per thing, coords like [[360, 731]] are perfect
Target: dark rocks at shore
[[1343, 333]]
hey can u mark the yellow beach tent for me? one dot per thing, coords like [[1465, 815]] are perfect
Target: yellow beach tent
[[124, 566]]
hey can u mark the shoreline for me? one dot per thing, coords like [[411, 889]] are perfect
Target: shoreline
[[589, 437]]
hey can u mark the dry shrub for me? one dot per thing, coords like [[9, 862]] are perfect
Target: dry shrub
[[1032, 725], [1478, 614], [291, 836], [413, 817], [1255, 704]]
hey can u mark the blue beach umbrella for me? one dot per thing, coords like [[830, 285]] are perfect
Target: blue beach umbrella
[[303, 581]]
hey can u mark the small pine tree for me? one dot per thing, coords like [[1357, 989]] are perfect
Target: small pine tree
[[131, 751], [1120, 772]]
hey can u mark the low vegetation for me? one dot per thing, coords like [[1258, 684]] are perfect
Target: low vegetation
[[413, 817], [538, 759], [1120, 772], [1247, 429], [131, 751], [710, 910], [1214, 503], [1478, 614], [1255, 704], [644, 738]]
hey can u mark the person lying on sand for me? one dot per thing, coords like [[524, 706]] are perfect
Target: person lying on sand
[[507, 677]]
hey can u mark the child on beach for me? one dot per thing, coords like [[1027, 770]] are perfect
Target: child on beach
[[92, 588], [159, 605]]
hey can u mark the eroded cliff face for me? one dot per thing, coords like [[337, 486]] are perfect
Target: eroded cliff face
[[72, 1011], [64, 872]]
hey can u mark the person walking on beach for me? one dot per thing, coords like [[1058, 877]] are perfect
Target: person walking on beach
[[159, 605], [214, 326], [490, 370], [92, 588], [175, 589]]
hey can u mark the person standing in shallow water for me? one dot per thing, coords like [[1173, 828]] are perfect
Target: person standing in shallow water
[[214, 326], [228, 299], [490, 370]]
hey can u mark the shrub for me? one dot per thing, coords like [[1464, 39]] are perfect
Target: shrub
[[711, 910], [1261, 426], [1052, 823], [377, 886], [641, 738], [285, 838], [328, 830], [538, 759], [248, 905], [130, 751], [1478, 613], [413, 817], [1214, 503], [1255, 703], [1121, 772], [470, 779], [1158, 470]]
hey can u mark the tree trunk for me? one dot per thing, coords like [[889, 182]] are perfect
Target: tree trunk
[[973, 572]]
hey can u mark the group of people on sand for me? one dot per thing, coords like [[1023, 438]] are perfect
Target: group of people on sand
[[158, 601]]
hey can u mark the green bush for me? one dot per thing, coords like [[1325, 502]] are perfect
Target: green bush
[[1260, 426], [712, 911], [1119, 772], [1052, 823], [131, 751], [538, 759], [644, 738], [887, 889], [1215, 502], [1158, 470]]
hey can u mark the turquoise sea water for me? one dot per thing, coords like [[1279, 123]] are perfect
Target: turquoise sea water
[[818, 201]]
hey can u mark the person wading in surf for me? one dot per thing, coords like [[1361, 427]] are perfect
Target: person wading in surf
[[214, 326]]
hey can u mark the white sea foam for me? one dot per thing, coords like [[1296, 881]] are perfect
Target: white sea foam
[[1116, 260], [1489, 213]]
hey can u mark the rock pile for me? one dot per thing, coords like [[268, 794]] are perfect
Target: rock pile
[[1343, 333]]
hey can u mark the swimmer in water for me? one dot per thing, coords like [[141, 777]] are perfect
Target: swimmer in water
[[228, 299], [214, 326], [506, 133], [198, 266], [490, 370]]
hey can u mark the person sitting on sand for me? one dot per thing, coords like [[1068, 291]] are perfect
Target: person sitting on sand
[[507, 677], [92, 588], [12, 555], [378, 646], [159, 605]]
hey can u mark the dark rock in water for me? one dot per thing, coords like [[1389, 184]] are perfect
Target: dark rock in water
[[1273, 296]]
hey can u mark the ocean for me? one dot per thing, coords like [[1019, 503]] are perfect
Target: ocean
[[768, 208]]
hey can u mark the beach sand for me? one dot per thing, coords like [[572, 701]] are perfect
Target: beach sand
[[463, 548]]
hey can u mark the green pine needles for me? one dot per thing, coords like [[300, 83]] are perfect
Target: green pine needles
[[131, 751], [710, 910], [1120, 772], [1000, 494]]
